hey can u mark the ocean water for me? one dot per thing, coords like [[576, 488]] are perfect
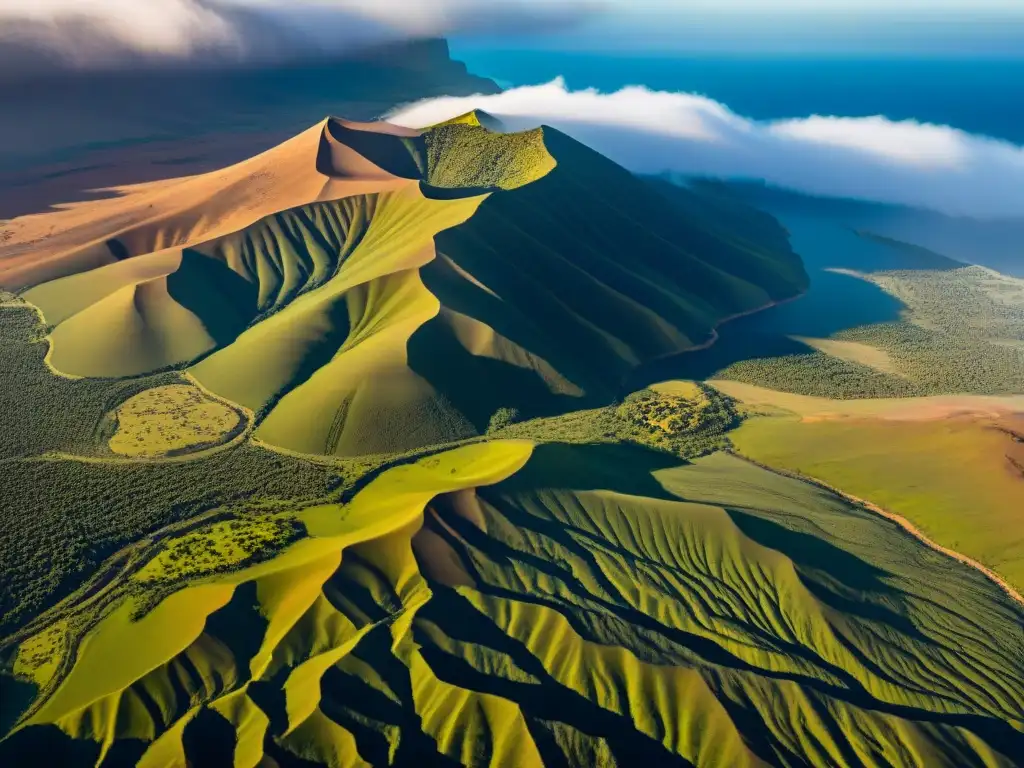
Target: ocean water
[[981, 96]]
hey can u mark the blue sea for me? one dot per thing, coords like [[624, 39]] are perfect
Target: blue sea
[[981, 96]]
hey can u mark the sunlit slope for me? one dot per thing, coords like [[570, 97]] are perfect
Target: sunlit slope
[[603, 605], [223, 643], [481, 272], [465, 154], [314, 166]]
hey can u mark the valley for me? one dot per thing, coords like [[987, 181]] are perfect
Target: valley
[[426, 447]]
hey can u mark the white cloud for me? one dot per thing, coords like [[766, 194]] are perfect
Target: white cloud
[[905, 163]]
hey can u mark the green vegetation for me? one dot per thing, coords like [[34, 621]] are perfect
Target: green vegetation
[[682, 419], [963, 332], [62, 518], [172, 420], [69, 503], [624, 270], [43, 413], [468, 156], [819, 375], [948, 477], [221, 546], [573, 604], [324, 320], [444, 537]]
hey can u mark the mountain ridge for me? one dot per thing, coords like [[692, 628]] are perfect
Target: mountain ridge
[[310, 219]]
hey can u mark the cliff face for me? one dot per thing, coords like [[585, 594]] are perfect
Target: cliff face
[[431, 60]]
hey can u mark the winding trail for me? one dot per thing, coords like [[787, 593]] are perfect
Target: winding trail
[[902, 522]]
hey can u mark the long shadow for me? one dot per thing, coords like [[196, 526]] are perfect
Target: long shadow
[[47, 745], [350, 701], [997, 733], [209, 740], [546, 700], [813, 557], [222, 299], [621, 468], [441, 359], [16, 696], [565, 467], [614, 611], [834, 302], [395, 154]]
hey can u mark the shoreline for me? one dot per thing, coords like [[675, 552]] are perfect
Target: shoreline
[[710, 341], [906, 525]]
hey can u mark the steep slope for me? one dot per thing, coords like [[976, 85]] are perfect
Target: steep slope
[[181, 213], [592, 270], [598, 605], [336, 583], [367, 288]]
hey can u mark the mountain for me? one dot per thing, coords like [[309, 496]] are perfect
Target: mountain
[[330, 457], [505, 603], [365, 289]]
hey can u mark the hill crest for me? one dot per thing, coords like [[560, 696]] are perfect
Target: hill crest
[[363, 273]]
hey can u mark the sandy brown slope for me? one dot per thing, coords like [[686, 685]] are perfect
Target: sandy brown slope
[[366, 288], [179, 213]]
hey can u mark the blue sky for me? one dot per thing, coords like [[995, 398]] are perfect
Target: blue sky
[[903, 27], [178, 28]]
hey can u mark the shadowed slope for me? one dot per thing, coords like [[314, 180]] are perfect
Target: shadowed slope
[[590, 269], [602, 605], [180, 213], [367, 324]]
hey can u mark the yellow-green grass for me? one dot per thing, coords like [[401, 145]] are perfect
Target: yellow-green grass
[[172, 420], [73, 503], [583, 605], [97, 703], [465, 154], [958, 332], [347, 330], [952, 478], [223, 545], [679, 407]]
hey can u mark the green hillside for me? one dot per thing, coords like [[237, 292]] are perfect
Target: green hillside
[[365, 325], [361, 482], [506, 604]]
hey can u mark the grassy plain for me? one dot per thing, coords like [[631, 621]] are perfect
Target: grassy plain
[[171, 420], [960, 332], [957, 478]]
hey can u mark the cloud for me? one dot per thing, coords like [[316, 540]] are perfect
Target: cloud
[[873, 158], [96, 34]]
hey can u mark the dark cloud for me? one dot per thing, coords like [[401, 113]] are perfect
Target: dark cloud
[[40, 36]]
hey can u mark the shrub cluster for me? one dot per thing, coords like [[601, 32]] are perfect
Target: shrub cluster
[[962, 333]]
